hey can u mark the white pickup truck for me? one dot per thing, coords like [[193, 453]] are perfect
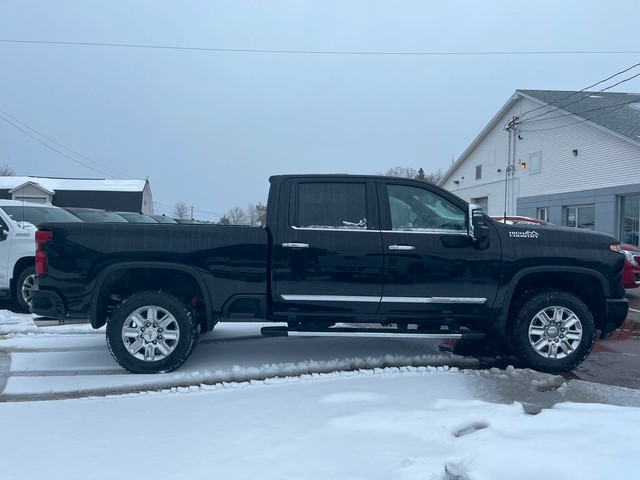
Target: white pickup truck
[[18, 224]]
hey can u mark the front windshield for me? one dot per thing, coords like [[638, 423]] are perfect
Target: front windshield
[[35, 215]]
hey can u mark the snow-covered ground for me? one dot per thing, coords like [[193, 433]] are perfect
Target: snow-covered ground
[[287, 408]]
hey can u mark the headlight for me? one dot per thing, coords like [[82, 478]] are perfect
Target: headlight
[[631, 256]]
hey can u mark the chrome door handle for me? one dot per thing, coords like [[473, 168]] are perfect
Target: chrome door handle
[[295, 245], [402, 247]]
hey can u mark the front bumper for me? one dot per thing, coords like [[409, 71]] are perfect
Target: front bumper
[[47, 303], [617, 309]]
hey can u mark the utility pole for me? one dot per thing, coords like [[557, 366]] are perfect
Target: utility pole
[[191, 212], [512, 130]]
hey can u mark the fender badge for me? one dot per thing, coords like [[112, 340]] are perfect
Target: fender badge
[[527, 234]]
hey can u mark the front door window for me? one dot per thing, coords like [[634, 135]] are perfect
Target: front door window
[[413, 208]]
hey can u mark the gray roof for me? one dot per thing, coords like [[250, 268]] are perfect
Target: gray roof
[[619, 112]]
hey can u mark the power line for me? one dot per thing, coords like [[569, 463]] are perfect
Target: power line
[[52, 148], [66, 148], [585, 88], [319, 52]]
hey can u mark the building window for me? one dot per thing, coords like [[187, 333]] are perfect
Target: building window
[[580, 217], [543, 214], [482, 202], [630, 220], [535, 162], [478, 172]]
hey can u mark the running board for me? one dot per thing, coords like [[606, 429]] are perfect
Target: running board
[[55, 322], [370, 333]]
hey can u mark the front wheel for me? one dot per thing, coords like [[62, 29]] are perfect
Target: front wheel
[[553, 331], [152, 332]]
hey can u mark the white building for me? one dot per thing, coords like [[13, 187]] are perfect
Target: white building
[[572, 158], [116, 195]]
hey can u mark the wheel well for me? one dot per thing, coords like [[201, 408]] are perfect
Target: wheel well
[[586, 287], [119, 284], [20, 265]]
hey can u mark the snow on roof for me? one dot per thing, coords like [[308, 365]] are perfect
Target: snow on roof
[[83, 184]]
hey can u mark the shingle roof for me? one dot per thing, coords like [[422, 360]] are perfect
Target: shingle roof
[[619, 112]]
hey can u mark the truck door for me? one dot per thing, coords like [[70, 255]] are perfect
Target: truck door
[[327, 250], [432, 268]]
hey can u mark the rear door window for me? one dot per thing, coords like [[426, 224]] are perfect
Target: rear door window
[[337, 205]]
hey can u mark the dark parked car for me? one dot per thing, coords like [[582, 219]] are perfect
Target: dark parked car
[[95, 215], [133, 217], [162, 219]]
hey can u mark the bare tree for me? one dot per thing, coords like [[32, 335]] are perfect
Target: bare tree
[[181, 209], [408, 172], [261, 208], [257, 214], [403, 172], [252, 214], [6, 170], [237, 216], [434, 177]]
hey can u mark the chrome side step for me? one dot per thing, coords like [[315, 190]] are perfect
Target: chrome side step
[[55, 322], [371, 333]]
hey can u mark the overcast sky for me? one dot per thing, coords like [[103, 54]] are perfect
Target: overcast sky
[[209, 128]]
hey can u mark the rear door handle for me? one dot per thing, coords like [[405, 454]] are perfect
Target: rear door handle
[[402, 247], [295, 245]]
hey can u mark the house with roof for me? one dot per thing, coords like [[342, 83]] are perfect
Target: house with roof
[[115, 195], [571, 158]]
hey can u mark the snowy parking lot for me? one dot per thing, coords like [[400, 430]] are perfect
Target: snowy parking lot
[[246, 406]]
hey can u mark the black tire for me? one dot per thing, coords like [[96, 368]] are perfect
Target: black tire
[[557, 344], [25, 281], [136, 337]]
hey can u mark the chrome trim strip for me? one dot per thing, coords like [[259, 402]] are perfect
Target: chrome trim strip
[[460, 300], [329, 298], [371, 299], [336, 229], [429, 232], [373, 334]]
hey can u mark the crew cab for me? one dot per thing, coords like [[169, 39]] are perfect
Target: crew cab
[[340, 255]]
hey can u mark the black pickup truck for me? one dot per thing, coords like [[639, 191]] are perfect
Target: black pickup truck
[[339, 255]]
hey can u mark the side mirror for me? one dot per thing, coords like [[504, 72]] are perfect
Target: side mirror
[[478, 228], [3, 235]]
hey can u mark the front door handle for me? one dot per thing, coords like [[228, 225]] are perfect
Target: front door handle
[[295, 245], [402, 247]]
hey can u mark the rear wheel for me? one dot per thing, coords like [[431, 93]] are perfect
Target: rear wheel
[[152, 332], [553, 331], [24, 285]]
